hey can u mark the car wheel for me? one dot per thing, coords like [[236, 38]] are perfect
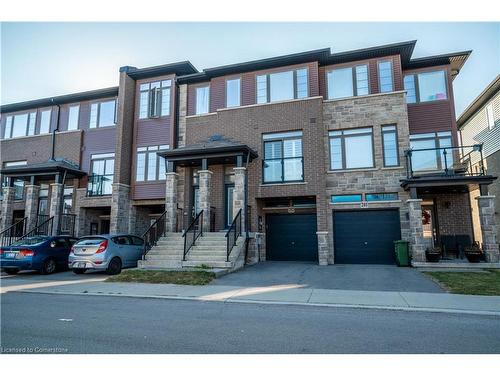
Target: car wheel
[[11, 271], [49, 266], [114, 266], [78, 271]]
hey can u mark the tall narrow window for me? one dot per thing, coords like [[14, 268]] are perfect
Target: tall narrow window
[[283, 161], [362, 80], [302, 83], [390, 140], [73, 115], [385, 76], [45, 122], [8, 127], [165, 97], [31, 123], [262, 89], [411, 92], [93, 115], [233, 92], [202, 100], [141, 164]]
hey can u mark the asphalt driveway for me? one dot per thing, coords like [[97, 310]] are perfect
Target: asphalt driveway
[[347, 277]]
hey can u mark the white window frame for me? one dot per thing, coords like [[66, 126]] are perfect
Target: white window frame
[[198, 109], [70, 108], [265, 79], [147, 152], [96, 124]]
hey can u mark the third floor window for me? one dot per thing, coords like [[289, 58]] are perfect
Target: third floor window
[[347, 82], [154, 100], [292, 84], [20, 125], [233, 93], [385, 76], [202, 100], [425, 87], [103, 114]]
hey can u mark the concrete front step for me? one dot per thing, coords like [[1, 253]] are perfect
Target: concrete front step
[[217, 264], [159, 264]]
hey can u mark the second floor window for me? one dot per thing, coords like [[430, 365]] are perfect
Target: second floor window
[[154, 99], [202, 100], [385, 76], [390, 142], [425, 87], [73, 115], [101, 176], [347, 82], [283, 161], [150, 167], [233, 92], [103, 114], [20, 125], [351, 148], [292, 84]]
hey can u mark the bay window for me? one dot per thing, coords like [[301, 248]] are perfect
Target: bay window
[[233, 93], [103, 114], [273, 87], [150, 167], [348, 82], [351, 148], [154, 99], [202, 100], [283, 161], [426, 87]]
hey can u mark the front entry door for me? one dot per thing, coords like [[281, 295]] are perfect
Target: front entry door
[[228, 212]]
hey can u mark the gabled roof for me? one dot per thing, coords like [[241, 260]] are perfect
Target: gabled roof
[[489, 92], [63, 99]]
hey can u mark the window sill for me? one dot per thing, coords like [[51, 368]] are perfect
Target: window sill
[[201, 115], [333, 171], [392, 168], [363, 96], [284, 183]]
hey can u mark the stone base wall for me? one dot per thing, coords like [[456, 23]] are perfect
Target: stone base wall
[[120, 209]]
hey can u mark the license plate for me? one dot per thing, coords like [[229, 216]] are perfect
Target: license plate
[[10, 254], [80, 265]]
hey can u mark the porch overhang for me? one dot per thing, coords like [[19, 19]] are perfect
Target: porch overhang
[[213, 152], [44, 170], [447, 183]]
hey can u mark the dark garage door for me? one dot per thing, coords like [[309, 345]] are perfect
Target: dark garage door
[[291, 237], [365, 237]]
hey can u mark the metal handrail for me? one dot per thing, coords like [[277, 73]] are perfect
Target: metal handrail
[[8, 236], [42, 228], [233, 233], [68, 222], [95, 186], [192, 228], [153, 234]]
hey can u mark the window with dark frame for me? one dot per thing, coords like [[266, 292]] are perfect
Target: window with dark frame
[[426, 86], [351, 148], [103, 114], [348, 82], [428, 151], [390, 145], [154, 99], [233, 92], [102, 172], [280, 86], [150, 167], [283, 160], [385, 80]]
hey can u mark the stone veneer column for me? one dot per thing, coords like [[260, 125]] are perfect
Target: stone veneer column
[[486, 204], [31, 205], [171, 201], [204, 185], [417, 243], [7, 207], [55, 210], [322, 248], [239, 194], [120, 209]]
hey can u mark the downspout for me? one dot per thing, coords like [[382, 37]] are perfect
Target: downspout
[[247, 221], [52, 157], [175, 141]]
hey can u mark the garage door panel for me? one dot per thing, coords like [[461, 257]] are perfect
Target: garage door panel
[[291, 237], [365, 237]]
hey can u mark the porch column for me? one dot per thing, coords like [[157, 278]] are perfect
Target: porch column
[[204, 185], [7, 207], [31, 205], [171, 202], [55, 210], [486, 205], [239, 194], [322, 248], [120, 208], [417, 243]]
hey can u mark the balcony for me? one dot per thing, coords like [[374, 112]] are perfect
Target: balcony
[[99, 185]]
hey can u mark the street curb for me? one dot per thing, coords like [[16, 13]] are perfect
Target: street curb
[[288, 303]]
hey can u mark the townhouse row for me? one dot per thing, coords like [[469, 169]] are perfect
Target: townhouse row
[[325, 157]]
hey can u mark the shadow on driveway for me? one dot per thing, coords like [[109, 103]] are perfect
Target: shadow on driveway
[[346, 277]]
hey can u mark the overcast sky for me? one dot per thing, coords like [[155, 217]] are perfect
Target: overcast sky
[[47, 59]]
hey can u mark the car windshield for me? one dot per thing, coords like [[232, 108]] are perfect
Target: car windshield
[[30, 241], [90, 241]]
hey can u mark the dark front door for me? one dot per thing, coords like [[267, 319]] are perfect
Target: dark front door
[[291, 237], [365, 237], [105, 226]]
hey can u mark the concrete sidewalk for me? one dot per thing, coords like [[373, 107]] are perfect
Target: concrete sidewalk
[[292, 294]]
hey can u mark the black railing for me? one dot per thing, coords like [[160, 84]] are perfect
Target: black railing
[[193, 231], [212, 218], [445, 161], [274, 170], [179, 226], [233, 233], [153, 234], [98, 185], [68, 224], [42, 229], [14, 232]]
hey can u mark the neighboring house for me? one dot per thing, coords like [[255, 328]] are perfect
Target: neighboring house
[[323, 157], [480, 123]]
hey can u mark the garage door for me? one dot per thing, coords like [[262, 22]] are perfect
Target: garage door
[[365, 237], [291, 237]]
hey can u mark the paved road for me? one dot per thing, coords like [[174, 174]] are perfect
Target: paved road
[[340, 276], [126, 325]]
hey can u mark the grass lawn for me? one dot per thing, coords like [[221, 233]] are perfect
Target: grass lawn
[[164, 277], [479, 283]]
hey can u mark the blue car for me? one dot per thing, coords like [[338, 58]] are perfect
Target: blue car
[[45, 254]]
